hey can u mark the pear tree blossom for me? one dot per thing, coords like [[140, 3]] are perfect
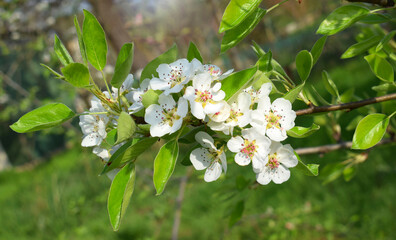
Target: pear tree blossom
[[252, 146], [204, 99], [212, 69], [208, 157], [172, 77], [239, 115], [167, 116], [94, 129], [135, 96], [277, 164], [256, 95], [274, 119]]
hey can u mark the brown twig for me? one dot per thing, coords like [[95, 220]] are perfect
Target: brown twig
[[334, 147], [382, 3], [348, 106]]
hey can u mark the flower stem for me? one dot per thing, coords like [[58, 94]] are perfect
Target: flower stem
[[276, 5], [107, 86]]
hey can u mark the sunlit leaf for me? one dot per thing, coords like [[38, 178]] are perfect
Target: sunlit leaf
[[302, 132], [361, 47], [236, 81], [193, 52], [307, 169], [43, 117], [236, 12], [317, 48], [81, 43], [385, 40], [370, 131], [164, 164], [167, 57], [126, 127], [304, 63], [380, 67], [61, 52], [123, 65], [293, 94], [77, 74]]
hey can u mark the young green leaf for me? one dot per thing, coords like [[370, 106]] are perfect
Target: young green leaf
[[233, 36], [370, 131], [151, 68], [126, 127], [380, 67], [317, 48], [193, 52], [330, 85], [361, 47], [275, 65], [342, 18], [128, 152], [120, 193], [375, 18], [95, 41], [236, 213], [264, 62], [235, 12], [236, 81], [385, 40], [304, 63], [307, 169], [81, 43], [293, 94], [303, 132], [150, 97], [164, 164], [77, 74], [111, 137], [123, 65], [385, 87], [43, 117], [61, 52]]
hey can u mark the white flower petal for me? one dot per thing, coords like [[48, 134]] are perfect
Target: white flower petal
[[182, 107], [287, 156], [280, 175], [265, 90], [202, 81], [153, 114], [213, 108], [205, 140], [218, 96], [257, 163], [200, 158], [242, 159], [189, 94], [276, 134], [235, 144], [166, 101], [160, 129], [197, 110], [158, 84], [263, 177], [92, 139], [223, 160], [213, 172]]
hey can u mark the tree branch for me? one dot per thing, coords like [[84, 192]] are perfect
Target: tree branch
[[383, 3], [334, 147], [348, 106]]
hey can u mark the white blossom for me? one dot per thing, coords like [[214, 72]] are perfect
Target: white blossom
[[208, 157], [93, 128], [172, 77], [251, 147], [239, 115], [213, 70], [166, 117], [125, 87], [256, 95], [274, 119], [105, 154], [135, 96], [204, 99], [277, 164]]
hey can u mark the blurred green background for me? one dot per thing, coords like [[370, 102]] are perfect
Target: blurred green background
[[49, 184]]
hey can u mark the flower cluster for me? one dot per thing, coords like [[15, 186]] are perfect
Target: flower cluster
[[252, 127]]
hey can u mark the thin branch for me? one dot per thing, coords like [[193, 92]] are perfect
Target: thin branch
[[383, 3], [334, 147], [348, 106]]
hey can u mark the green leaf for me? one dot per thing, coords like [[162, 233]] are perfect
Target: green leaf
[[120, 193], [151, 68], [77, 74], [111, 137], [164, 164], [304, 63], [43, 117], [53, 71], [264, 62], [189, 137], [380, 67], [193, 52], [348, 95], [61, 52], [329, 84], [185, 157], [370, 131], [236, 213], [349, 173], [95, 41], [128, 152], [375, 18], [123, 65], [307, 169], [236, 81], [293, 94], [342, 18], [236, 12], [81, 43], [361, 47], [302, 132], [233, 36], [126, 127], [385, 40], [385, 87], [150, 97], [317, 48], [275, 65]]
